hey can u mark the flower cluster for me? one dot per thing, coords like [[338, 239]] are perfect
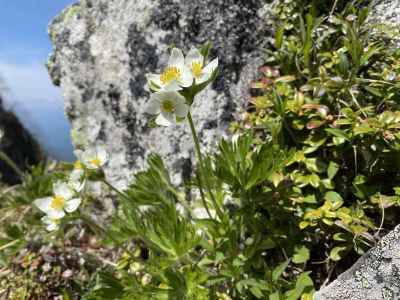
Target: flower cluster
[[65, 198], [182, 74]]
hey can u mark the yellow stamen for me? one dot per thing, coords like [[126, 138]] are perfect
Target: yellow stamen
[[168, 106], [78, 165], [57, 203], [96, 161], [197, 69], [170, 74]]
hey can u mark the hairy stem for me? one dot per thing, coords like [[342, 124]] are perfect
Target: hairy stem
[[202, 178]]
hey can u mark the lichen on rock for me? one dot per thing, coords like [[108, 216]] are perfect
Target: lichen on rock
[[376, 275]]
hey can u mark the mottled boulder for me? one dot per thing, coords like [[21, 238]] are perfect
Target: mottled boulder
[[375, 276], [387, 12], [103, 50]]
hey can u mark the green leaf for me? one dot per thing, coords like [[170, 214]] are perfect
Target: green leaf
[[303, 281], [257, 292], [274, 296], [373, 91], [315, 165], [363, 129], [314, 180], [338, 133], [277, 272], [335, 253], [335, 199], [302, 254], [279, 37], [205, 50], [333, 168]]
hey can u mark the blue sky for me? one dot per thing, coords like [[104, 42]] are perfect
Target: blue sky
[[24, 49]]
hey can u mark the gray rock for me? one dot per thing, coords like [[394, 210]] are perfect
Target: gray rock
[[103, 50], [387, 12], [375, 276]]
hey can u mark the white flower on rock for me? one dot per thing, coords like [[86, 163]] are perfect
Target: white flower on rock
[[201, 73], [168, 106], [62, 201], [51, 223], [94, 157], [174, 77]]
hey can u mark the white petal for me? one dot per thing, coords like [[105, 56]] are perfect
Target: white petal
[[102, 155], [193, 55], [186, 78], [94, 153], [211, 67], [62, 189], [176, 59], [153, 107], [78, 153], [72, 205], [77, 185], [76, 175], [46, 220], [154, 78], [52, 227], [181, 109], [44, 204], [172, 86], [208, 71], [87, 156], [162, 121], [56, 214], [51, 224], [203, 78]]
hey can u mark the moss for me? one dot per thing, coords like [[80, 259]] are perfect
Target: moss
[[71, 12]]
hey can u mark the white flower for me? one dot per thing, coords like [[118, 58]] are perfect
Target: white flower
[[195, 61], [175, 76], [76, 180], [201, 213], [51, 223], [146, 279], [168, 106], [61, 202], [94, 157]]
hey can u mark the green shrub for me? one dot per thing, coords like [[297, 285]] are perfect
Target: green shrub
[[330, 91], [309, 182]]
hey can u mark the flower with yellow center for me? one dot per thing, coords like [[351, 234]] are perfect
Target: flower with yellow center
[[167, 105], [78, 165], [174, 77], [62, 201], [94, 157], [201, 73]]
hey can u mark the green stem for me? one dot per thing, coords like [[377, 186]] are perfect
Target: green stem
[[11, 164], [201, 168], [123, 195]]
